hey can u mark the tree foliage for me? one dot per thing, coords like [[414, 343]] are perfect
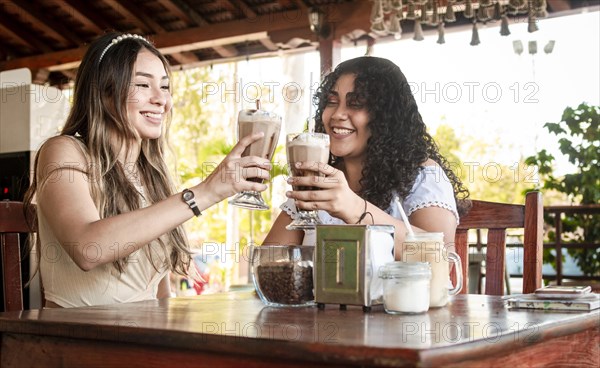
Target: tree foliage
[[472, 160], [200, 138], [578, 135]]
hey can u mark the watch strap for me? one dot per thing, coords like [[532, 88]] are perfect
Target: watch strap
[[195, 208], [191, 202]]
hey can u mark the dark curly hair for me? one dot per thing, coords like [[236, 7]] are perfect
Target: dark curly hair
[[399, 142]]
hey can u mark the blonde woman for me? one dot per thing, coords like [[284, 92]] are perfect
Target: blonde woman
[[109, 217]]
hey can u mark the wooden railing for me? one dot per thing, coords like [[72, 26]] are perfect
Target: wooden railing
[[559, 243]]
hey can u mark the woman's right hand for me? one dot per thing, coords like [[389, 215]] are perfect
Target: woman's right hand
[[231, 176]]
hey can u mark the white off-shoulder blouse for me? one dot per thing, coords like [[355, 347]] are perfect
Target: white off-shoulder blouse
[[432, 188]]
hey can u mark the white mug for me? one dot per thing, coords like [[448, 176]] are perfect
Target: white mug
[[429, 247]]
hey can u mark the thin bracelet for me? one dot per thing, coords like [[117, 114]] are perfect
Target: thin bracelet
[[364, 214]]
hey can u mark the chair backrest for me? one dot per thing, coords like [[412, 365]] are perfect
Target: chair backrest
[[12, 223], [497, 217]]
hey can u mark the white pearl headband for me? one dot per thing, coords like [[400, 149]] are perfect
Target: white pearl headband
[[118, 39]]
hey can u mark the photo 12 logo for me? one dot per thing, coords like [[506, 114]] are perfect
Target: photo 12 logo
[[24, 92], [250, 91], [472, 92]]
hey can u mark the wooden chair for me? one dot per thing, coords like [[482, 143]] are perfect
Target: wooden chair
[[497, 217], [12, 222]]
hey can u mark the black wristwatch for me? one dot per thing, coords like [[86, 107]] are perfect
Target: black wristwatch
[[188, 197]]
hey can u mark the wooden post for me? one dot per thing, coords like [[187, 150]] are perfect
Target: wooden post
[[330, 54], [533, 242]]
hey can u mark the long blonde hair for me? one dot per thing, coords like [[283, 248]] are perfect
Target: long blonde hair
[[98, 120]]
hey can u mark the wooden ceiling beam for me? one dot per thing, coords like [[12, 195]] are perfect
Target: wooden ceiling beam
[[6, 50], [226, 51], [167, 49], [233, 29], [55, 29], [8, 31], [133, 14], [183, 10], [346, 21], [177, 11], [302, 6], [76, 13], [21, 34], [283, 36], [198, 37], [343, 21], [85, 9], [70, 59], [185, 57], [178, 6], [241, 6]]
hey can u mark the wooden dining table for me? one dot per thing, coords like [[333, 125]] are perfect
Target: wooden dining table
[[236, 329]]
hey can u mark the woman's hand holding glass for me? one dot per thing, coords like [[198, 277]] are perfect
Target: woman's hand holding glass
[[232, 175], [332, 194]]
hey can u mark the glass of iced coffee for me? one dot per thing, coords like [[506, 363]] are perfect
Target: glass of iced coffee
[[429, 247], [306, 147], [252, 121]]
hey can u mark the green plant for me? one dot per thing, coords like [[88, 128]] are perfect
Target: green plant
[[200, 141], [479, 172], [579, 140]]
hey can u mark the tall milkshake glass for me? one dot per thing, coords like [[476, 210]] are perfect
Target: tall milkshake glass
[[306, 147], [249, 122]]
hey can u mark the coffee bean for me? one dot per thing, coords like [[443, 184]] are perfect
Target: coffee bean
[[286, 282]]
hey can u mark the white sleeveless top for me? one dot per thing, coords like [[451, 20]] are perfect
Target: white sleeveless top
[[67, 285]]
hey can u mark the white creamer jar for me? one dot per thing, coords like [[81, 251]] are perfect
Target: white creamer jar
[[405, 287]]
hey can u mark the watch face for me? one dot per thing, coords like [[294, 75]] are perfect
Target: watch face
[[188, 194]]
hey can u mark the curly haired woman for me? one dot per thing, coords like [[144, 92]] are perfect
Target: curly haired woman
[[109, 216], [380, 153]]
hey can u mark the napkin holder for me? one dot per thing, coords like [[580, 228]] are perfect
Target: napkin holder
[[347, 258]]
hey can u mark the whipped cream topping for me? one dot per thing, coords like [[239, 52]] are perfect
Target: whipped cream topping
[[310, 139], [258, 115]]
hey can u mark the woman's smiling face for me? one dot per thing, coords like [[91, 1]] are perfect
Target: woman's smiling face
[[149, 98], [346, 120]]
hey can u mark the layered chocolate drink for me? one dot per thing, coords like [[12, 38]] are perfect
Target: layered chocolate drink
[[250, 122], [307, 147], [254, 121]]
